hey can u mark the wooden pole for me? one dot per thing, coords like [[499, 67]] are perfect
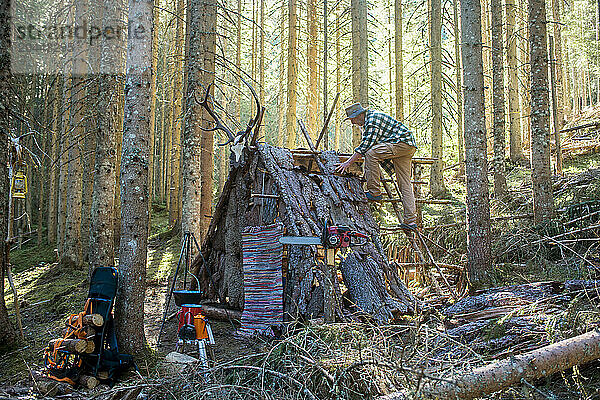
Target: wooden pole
[[329, 275]]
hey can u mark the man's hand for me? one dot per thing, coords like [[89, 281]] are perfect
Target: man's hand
[[341, 168]]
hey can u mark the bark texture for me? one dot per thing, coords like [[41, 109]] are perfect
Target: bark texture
[[304, 201], [198, 144], [102, 240], [72, 255], [514, 117], [543, 200], [312, 47], [562, 101], [292, 74], [500, 188], [174, 197], [459, 91], [436, 181], [360, 60], [129, 310], [478, 211], [529, 366], [7, 332], [398, 58]]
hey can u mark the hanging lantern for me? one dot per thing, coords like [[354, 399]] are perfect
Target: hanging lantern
[[18, 186]]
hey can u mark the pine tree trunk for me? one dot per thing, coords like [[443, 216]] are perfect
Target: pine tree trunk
[[563, 104], [72, 255], [292, 74], [103, 200], [500, 188], [338, 78], [459, 92], [153, 105], [398, 56], [487, 67], [88, 159], [478, 212], [281, 80], [360, 60], [543, 201], [175, 200], [54, 167], [102, 221], [514, 117], [197, 145], [169, 141], [311, 59], [436, 182], [62, 162], [526, 77], [261, 73], [7, 332], [129, 310]]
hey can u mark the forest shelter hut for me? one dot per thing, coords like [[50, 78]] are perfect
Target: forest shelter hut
[[278, 185]]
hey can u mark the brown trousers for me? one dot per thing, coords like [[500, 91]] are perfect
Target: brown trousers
[[401, 155]]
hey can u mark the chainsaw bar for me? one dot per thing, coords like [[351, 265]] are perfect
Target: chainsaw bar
[[302, 240]]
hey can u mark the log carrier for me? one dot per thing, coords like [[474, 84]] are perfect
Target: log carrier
[[274, 185]]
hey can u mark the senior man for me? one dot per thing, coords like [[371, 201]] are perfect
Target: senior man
[[391, 143]]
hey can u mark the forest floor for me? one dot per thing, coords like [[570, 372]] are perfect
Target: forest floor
[[340, 360]]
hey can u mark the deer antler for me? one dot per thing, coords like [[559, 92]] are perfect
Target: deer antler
[[259, 112], [218, 124]]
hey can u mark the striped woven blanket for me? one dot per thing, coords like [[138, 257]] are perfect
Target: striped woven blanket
[[263, 287]]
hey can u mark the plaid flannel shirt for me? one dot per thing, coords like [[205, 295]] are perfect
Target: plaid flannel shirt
[[381, 128]]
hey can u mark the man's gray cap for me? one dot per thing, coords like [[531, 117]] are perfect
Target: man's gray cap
[[354, 110]]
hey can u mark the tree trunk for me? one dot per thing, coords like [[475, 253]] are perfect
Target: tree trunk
[[7, 332], [175, 199], [556, 115], [562, 103], [281, 80], [436, 182], [312, 100], [360, 60], [514, 118], [197, 154], [543, 201], [261, 75], [530, 366], [72, 255], [54, 167], [338, 78], [292, 73], [102, 240], [478, 212], [459, 92], [500, 188], [129, 310], [526, 77], [399, 65]]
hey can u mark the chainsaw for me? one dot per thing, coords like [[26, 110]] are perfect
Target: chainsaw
[[333, 237]]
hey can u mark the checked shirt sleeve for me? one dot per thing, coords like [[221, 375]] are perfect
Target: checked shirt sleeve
[[369, 137]]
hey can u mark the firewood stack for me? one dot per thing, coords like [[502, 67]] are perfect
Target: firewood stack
[[77, 340]]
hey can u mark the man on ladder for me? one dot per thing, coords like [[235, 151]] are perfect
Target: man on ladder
[[391, 143]]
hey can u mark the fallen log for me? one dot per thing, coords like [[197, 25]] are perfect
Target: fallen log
[[91, 319], [89, 382], [499, 375], [221, 313], [71, 345], [50, 388], [87, 331], [90, 346]]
